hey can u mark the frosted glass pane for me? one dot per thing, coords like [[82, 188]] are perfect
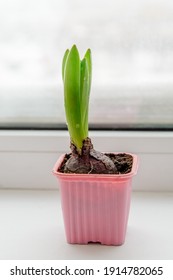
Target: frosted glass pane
[[132, 50]]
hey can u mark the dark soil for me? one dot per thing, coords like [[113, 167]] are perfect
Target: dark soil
[[94, 162], [123, 162]]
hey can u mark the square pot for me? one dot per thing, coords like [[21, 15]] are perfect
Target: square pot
[[95, 206]]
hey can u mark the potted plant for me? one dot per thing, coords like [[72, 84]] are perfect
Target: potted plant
[[95, 187]]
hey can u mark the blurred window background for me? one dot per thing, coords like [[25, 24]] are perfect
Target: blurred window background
[[132, 53]]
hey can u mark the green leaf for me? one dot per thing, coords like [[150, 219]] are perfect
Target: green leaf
[[86, 68], [84, 96], [72, 97], [64, 62], [89, 62]]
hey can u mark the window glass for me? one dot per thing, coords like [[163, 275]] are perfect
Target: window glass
[[132, 51]]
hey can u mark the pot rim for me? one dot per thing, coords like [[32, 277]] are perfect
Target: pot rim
[[96, 176]]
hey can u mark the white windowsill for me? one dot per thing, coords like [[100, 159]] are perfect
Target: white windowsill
[[32, 228]]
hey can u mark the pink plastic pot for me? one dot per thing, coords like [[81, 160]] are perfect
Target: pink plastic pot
[[95, 206]]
